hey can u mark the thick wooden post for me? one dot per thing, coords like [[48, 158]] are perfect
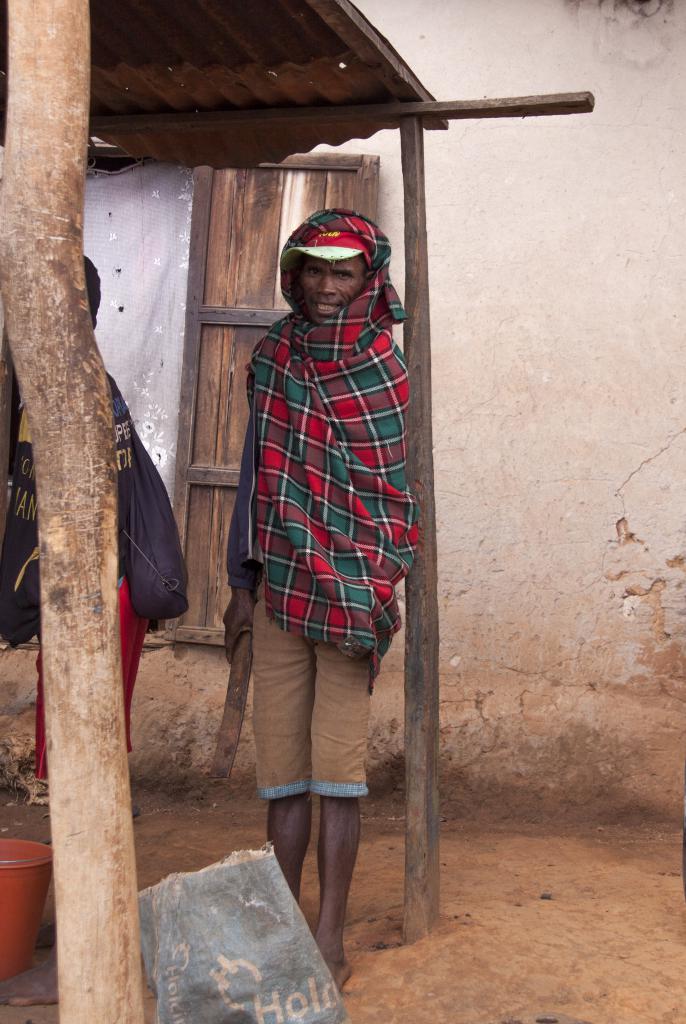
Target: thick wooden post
[[69, 408], [421, 620]]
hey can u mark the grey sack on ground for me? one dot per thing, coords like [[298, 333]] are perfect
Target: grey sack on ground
[[229, 945]]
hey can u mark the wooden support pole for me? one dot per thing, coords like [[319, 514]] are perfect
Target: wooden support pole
[[421, 619], [69, 408]]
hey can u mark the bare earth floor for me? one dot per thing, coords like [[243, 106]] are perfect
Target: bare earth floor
[[606, 943]]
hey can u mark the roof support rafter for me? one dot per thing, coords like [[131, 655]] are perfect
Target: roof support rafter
[[385, 115], [368, 46]]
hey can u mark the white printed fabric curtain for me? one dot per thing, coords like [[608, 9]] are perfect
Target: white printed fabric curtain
[[137, 233]]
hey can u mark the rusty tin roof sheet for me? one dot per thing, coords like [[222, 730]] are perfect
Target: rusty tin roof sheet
[[164, 56]]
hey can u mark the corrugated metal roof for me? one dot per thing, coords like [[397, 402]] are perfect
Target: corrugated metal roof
[[164, 56]]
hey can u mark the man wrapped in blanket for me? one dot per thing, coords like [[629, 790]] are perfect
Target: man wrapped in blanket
[[323, 531]]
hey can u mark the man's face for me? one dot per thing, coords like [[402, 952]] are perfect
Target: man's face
[[328, 286]]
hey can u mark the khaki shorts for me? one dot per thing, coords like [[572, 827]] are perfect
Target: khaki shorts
[[310, 714]]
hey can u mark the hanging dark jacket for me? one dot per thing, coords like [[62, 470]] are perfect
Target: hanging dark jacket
[[19, 570]]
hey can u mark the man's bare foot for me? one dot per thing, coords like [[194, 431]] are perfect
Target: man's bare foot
[[332, 950], [36, 987], [340, 972]]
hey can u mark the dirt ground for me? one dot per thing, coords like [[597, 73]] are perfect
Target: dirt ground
[[580, 922]]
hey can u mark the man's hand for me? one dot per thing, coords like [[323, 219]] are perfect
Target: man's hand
[[238, 618]]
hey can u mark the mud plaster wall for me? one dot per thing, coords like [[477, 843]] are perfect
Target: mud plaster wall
[[557, 262], [557, 272], [177, 709]]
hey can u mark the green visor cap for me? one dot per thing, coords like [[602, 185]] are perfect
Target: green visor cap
[[334, 253]]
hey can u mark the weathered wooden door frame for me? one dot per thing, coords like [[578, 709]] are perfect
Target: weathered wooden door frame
[[198, 315]]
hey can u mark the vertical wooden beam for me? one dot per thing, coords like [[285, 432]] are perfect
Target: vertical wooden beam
[[69, 408], [203, 178], [421, 620]]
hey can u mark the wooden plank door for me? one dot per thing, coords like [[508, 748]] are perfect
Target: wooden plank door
[[241, 220]]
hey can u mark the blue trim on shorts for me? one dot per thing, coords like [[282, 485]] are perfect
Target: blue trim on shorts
[[339, 788], [290, 789], [349, 789]]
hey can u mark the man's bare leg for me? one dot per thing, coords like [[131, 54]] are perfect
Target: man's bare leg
[[289, 823], [36, 987], [339, 838]]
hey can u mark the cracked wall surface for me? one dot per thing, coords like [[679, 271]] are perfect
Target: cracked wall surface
[[557, 265]]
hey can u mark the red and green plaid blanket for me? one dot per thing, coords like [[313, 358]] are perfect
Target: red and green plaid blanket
[[335, 520]]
